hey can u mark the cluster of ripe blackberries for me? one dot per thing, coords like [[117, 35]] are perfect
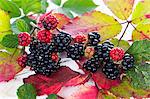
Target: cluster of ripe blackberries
[[110, 67]]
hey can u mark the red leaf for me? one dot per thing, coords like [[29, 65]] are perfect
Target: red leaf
[[103, 82], [80, 79], [53, 83]]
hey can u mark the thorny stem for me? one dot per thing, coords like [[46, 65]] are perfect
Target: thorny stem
[[124, 32]]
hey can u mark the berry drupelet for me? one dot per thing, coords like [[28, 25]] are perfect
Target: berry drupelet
[[93, 38], [128, 61], [110, 70], [22, 60], [62, 41], [75, 51]]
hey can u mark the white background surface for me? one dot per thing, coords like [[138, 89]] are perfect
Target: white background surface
[[8, 89]]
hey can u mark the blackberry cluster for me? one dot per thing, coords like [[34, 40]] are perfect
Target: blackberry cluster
[[110, 70], [91, 65], [93, 38], [102, 51], [128, 62], [40, 59], [62, 41], [75, 51]]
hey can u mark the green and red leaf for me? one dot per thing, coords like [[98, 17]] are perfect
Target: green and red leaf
[[8, 66], [107, 26]]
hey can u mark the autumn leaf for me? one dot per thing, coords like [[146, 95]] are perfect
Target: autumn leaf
[[8, 66], [103, 82], [125, 90], [107, 26], [141, 12], [121, 8], [4, 21], [53, 83], [141, 32], [62, 19]]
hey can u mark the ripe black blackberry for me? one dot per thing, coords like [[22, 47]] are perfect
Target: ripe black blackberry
[[110, 70], [62, 41], [102, 51], [91, 65], [93, 38], [40, 59], [75, 51], [128, 61]]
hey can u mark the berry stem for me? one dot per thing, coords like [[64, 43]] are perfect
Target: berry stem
[[124, 32]]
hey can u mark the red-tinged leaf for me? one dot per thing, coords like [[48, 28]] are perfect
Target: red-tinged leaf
[[142, 32], [103, 82], [8, 66], [53, 83], [80, 79], [121, 8], [63, 19], [86, 91], [107, 26]]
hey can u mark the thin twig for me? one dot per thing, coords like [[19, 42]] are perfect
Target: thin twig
[[123, 33]]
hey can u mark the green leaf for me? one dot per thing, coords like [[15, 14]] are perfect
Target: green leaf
[[121, 8], [10, 41], [57, 2], [44, 5], [4, 21], [80, 6], [10, 7], [52, 96], [65, 12], [142, 32], [123, 44], [19, 26], [140, 50], [141, 11], [125, 90], [140, 76], [35, 6], [26, 91]]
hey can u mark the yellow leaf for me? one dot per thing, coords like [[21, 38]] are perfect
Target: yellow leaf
[[121, 8], [141, 32], [4, 21]]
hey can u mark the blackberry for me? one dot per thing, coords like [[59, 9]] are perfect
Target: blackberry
[[62, 41], [75, 51], [91, 65], [93, 38], [22, 60], [40, 58], [110, 70], [128, 61], [102, 51]]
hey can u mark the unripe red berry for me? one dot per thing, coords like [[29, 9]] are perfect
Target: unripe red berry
[[24, 39], [117, 54], [48, 21], [44, 36], [80, 39], [22, 60]]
